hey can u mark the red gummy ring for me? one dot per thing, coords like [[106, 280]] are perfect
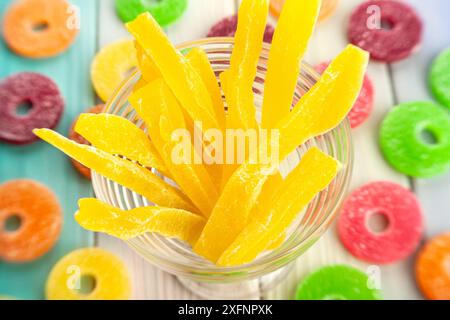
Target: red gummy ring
[[39, 213], [363, 106], [227, 28], [433, 268], [44, 98], [404, 223], [83, 170], [40, 28], [387, 45]]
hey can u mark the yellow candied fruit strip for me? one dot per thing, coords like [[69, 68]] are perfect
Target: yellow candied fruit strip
[[161, 112], [319, 111], [287, 50], [243, 65], [181, 77], [314, 173], [119, 136], [124, 172], [199, 60], [147, 66], [97, 216]]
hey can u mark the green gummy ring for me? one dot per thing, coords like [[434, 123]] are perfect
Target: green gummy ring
[[337, 282], [439, 78], [164, 11], [404, 146]]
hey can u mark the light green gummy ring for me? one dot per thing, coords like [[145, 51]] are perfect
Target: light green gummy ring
[[415, 139], [164, 11], [337, 282], [439, 78]]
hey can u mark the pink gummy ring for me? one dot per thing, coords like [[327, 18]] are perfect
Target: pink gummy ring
[[389, 30], [227, 28], [43, 98], [362, 109], [404, 223]]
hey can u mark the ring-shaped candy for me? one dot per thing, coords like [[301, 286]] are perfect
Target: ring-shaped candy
[[38, 217], [338, 282], [439, 78], [109, 276], [433, 268], [327, 9], [83, 170], [415, 139], [111, 66], [165, 12], [43, 98], [40, 28], [403, 229], [389, 30]]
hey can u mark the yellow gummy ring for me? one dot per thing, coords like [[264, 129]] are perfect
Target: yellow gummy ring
[[110, 279], [111, 66]]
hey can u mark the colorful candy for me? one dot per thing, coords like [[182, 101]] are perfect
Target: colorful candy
[[391, 43], [83, 170], [38, 216], [111, 66], [338, 282], [40, 28], [45, 102], [227, 28], [404, 142], [124, 172], [164, 11], [432, 268], [439, 78], [314, 173], [285, 53], [364, 104], [173, 223], [404, 218], [109, 277], [327, 9]]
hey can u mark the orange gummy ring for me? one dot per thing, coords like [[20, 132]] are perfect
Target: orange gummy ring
[[328, 7], [433, 268], [40, 28], [39, 220], [83, 170]]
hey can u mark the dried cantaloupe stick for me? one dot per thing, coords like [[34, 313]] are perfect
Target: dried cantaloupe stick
[[314, 173], [163, 115], [117, 135], [180, 76], [124, 172], [287, 50], [319, 111], [97, 216]]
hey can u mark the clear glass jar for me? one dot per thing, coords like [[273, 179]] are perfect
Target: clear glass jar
[[175, 257]]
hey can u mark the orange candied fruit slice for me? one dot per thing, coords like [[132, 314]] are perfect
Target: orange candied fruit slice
[[124, 172], [173, 223], [314, 173]]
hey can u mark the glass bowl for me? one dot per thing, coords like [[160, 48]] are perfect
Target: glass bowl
[[177, 258]]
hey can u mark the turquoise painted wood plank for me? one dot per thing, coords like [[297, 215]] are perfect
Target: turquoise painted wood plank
[[410, 83], [43, 163]]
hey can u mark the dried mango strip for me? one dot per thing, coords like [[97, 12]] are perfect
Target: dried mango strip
[[119, 136], [314, 173], [147, 66], [319, 111], [160, 110], [173, 223], [124, 172], [181, 77], [287, 50]]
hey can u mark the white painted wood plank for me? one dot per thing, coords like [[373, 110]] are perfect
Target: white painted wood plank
[[397, 280], [410, 79], [148, 281]]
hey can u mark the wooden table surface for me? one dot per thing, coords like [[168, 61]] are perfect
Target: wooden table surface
[[401, 82]]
